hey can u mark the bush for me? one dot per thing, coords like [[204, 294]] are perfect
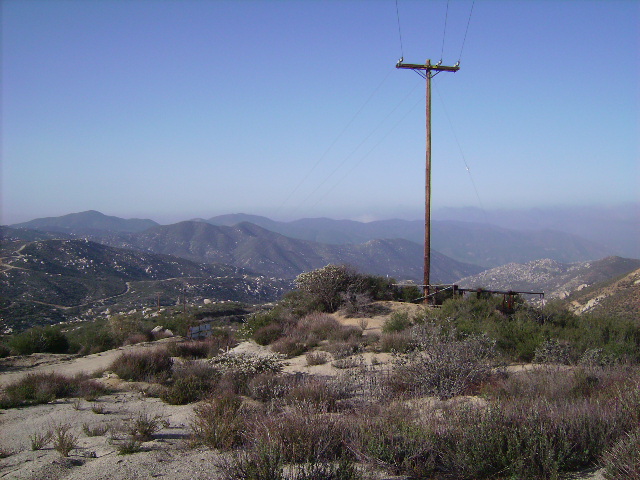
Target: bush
[[622, 460], [192, 381], [343, 349], [144, 426], [96, 431], [268, 334], [324, 285], [553, 351], [90, 338], [317, 358], [269, 386], [263, 462], [303, 436], [218, 422], [315, 395], [397, 342], [397, 322], [291, 346], [63, 440], [39, 388], [39, 440], [129, 446], [524, 439], [151, 366], [442, 365], [39, 340]]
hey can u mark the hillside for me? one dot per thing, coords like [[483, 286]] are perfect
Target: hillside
[[249, 246], [476, 243], [618, 297], [54, 280], [556, 279]]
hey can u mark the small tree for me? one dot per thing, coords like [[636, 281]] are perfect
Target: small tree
[[325, 285]]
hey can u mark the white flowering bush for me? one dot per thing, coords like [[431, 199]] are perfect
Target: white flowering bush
[[247, 364]]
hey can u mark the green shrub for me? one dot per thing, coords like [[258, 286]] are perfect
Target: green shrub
[[260, 320], [39, 339], [39, 440], [91, 337], [262, 462], [397, 322], [268, 334]]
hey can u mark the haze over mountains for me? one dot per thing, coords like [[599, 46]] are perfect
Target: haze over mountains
[[48, 271], [480, 244]]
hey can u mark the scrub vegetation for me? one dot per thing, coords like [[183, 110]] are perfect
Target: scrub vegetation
[[452, 399]]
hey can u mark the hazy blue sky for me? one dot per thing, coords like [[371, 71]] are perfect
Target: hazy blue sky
[[177, 109]]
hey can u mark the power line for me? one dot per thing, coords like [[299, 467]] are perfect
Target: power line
[[466, 30], [367, 154], [444, 33], [399, 31], [344, 161], [466, 165], [342, 132]]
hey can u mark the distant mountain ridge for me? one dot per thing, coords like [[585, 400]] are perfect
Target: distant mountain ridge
[[250, 246], [475, 243], [468, 243], [88, 221], [617, 227]]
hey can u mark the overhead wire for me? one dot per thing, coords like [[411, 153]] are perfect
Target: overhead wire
[[342, 132], [466, 31], [399, 31], [444, 33], [464, 159], [367, 154], [344, 161]]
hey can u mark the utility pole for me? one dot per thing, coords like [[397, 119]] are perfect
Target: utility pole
[[427, 71]]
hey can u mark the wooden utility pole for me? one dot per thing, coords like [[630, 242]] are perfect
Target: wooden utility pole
[[427, 71]]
